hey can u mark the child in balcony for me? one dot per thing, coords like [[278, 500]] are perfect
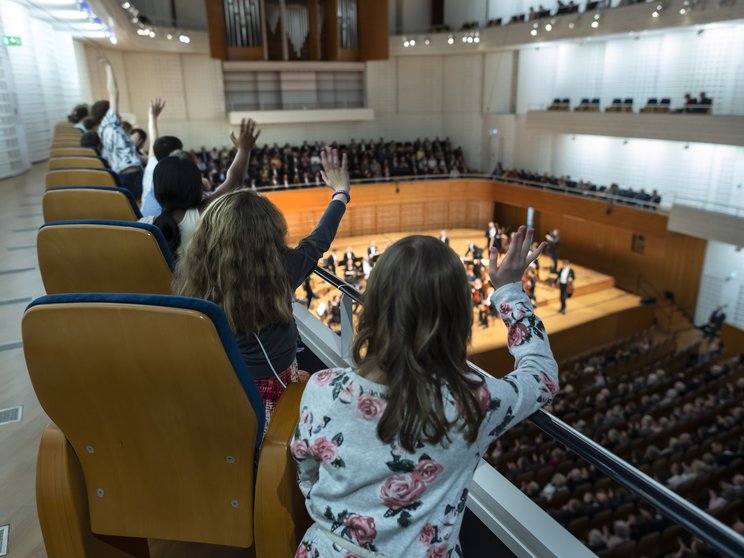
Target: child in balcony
[[386, 450], [239, 259]]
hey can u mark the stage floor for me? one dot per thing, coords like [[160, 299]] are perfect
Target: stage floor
[[595, 295]]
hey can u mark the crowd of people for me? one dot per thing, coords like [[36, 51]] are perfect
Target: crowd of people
[[368, 431], [626, 196], [675, 415], [410, 387]]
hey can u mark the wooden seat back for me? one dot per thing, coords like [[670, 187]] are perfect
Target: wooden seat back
[[80, 177], [153, 396], [89, 202], [104, 257]]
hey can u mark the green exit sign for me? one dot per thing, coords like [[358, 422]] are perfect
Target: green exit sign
[[9, 40]]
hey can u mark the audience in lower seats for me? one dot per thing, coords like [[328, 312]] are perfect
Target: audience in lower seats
[[672, 414], [386, 450], [179, 190], [238, 258], [566, 183]]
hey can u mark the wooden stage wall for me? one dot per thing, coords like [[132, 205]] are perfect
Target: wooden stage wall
[[733, 340], [578, 339], [593, 233]]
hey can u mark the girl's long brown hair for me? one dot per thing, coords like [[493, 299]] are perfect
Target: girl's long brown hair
[[236, 260], [415, 327]]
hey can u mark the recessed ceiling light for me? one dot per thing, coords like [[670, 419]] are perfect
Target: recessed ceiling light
[[655, 14], [450, 40], [548, 27], [533, 32], [113, 40], [595, 24]]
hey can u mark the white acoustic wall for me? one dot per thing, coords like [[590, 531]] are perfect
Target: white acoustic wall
[[41, 86], [699, 171], [668, 65], [722, 282]]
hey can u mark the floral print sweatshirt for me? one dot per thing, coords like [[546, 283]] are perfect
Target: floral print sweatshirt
[[369, 498]]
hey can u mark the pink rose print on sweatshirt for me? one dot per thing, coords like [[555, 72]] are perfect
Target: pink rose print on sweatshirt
[[323, 449], [518, 333], [370, 407], [427, 470], [401, 491], [323, 378], [362, 528]]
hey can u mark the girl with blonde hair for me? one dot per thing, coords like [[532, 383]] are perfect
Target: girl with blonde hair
[[386, 449], [239, 259]]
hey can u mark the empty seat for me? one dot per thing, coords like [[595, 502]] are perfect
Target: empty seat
[[89, 202], [164, 418], [73, 151], [80, 177], [79, 162], [652, 101], [104, 257]]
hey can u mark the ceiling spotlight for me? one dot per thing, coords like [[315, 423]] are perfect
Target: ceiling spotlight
[[571, 25], [126, 5], [413, 42], [655, 14], [533, 32], [477, 39], [548, 27], [113, 40], [470, 39], [169, 36], [464, 39], [682, 11], [595, 24], [152, 34], [450, 40], [596, 16], [406, 44], [184, 39], [427, 42], [659, 7], [535, 25], [141, 32]]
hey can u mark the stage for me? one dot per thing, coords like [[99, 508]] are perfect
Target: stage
[[597, 313]]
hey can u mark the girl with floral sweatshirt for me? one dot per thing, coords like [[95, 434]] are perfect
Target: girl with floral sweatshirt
[[386, 450]]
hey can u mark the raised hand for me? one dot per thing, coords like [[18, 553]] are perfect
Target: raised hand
[[156, 107], [334, 175], [247, 135], [516, 261]]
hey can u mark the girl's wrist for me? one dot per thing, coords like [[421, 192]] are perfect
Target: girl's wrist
[[341, 195]]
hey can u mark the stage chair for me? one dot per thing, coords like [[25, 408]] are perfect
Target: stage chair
[[78, 162], [89, 202], [73, 151], [80, 177], [594, 105], [152, 394], [104, 257], [281, 516], [65, 142], [628, 104]]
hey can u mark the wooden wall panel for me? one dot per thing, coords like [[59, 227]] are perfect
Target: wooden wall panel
[[733, 340], [436, 215], [363, 220], [388, 218], [412, 217]]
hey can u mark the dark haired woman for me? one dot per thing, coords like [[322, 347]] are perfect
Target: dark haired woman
[[386, 450], [179, 189]]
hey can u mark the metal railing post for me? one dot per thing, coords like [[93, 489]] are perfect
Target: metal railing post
[[347, 327]]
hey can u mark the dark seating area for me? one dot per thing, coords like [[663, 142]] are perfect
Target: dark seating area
[[675, 414]]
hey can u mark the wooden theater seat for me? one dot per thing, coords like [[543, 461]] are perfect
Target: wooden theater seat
[[73, 151], [80, 177], [89, 202], [153, 396], [104, 257], [281, 517], [77, 162]]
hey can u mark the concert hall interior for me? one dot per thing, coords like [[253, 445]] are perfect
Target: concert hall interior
[[371, 278]]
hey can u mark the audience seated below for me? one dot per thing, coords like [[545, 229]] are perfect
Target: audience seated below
[[566, 183], [677, 415]]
